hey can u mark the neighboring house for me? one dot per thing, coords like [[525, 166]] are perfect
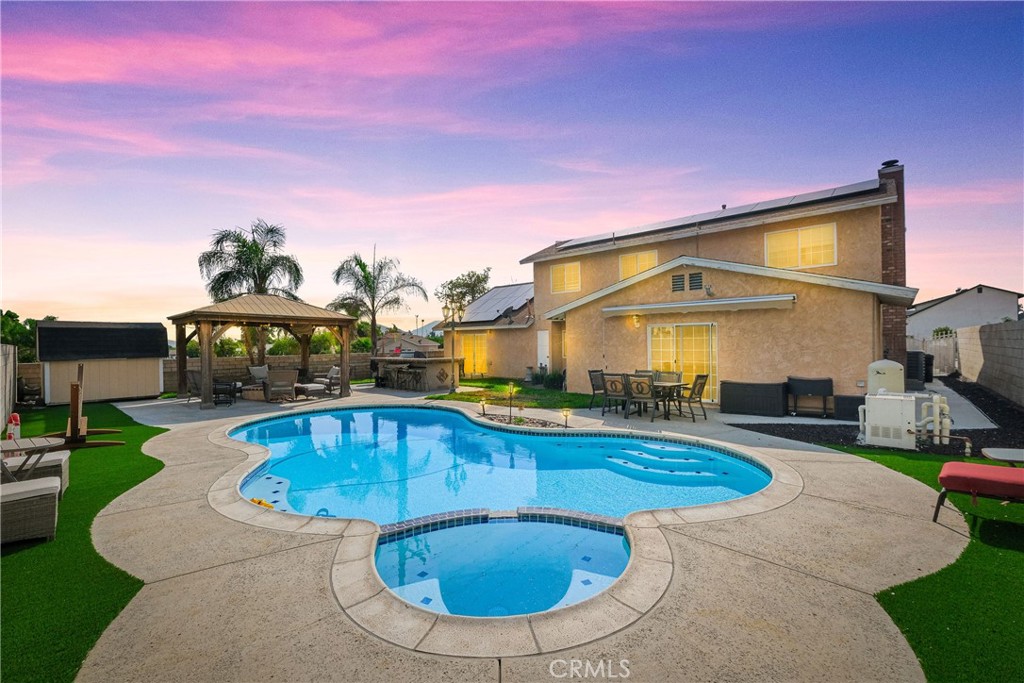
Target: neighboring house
[[811, 285], [394, 343], [495, 337], [978, 305]]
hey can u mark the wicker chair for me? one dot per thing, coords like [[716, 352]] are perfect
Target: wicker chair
[[331, 379], [596, 387], [28, 509], [280, 383]]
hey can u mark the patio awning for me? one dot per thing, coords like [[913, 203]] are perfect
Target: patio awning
[[780, 301]]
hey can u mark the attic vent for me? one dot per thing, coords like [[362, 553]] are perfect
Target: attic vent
[[679, 283], [696, 281]]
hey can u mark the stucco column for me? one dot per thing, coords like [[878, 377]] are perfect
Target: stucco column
[[206, 363]]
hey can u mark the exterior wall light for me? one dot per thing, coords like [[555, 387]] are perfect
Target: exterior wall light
[[636, 321]]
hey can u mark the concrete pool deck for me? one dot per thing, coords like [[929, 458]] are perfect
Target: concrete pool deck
[[779, 594]]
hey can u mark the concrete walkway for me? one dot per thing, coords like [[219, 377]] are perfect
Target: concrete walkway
[[785, 594]]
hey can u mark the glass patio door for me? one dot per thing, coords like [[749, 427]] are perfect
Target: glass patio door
[[687, 348], [474, 349]]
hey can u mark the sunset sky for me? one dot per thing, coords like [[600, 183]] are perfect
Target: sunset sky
[[456, 136]]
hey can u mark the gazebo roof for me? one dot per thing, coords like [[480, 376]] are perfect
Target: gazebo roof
[[263, 309]]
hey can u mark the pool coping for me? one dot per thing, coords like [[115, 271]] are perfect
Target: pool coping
[[363, 596]]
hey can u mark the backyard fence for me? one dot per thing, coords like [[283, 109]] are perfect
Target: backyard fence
[[943, 348], [993, 356]]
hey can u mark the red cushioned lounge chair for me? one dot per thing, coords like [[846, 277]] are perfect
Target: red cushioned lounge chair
[[987, 481]]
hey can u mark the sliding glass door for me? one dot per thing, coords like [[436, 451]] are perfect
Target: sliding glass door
[[687, 348]]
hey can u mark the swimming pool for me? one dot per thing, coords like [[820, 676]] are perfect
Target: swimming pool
[[390, 464], [513, 567]]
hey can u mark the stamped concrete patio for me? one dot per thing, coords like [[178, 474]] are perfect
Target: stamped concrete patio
[[784, 593]]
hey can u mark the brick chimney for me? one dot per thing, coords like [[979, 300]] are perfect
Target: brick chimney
[[894, 263]]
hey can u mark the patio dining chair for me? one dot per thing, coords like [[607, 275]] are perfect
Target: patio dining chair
[[614, 393], [641, 392], [195, 384], [693, 396], [596, 387]]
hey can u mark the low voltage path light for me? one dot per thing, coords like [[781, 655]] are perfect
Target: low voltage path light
[[511, 391], [483, 406], [565, 414]]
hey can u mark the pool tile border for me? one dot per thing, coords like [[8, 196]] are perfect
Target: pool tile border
[[365, 599]]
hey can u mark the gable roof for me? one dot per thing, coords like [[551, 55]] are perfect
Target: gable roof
[[875, 192], [925, 305], [887, 294], [265, 309]]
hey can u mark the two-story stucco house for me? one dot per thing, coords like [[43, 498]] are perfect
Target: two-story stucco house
[[811, 285]]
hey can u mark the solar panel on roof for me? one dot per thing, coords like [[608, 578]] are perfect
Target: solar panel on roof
[[794, 200], [490, 306]]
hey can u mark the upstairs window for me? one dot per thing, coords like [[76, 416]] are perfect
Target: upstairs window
[[631, 264], [802, 248], [565, 277]]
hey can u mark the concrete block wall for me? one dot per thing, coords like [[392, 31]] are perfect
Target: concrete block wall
[[236, 369], [993, 356], [32, 373]]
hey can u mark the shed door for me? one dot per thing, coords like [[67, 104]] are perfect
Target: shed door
[[543, 349]]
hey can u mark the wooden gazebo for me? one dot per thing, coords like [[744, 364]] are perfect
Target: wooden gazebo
[[252, 310]]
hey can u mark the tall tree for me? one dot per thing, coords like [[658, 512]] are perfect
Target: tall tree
[[250, 261], [464, 289], [373, 288]]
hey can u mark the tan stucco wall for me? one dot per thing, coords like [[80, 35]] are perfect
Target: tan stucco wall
[[509, 352], [858, 255], [829, 332]]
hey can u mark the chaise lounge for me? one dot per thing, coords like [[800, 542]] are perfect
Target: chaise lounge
[[987, 481]]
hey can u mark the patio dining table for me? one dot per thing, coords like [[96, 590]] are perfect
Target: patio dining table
[[33, 449], [668, 391]]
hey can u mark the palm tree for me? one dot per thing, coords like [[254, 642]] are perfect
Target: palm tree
[[374, 288], [250, 261]]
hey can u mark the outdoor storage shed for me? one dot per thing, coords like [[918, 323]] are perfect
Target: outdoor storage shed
[[122, 360]]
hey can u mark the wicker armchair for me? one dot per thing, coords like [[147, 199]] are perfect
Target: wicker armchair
[[280, 383], [28, 509]]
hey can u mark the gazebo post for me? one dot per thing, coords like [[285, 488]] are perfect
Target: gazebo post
[[304, 373], [206, 365], [180, 343], [346, 369]]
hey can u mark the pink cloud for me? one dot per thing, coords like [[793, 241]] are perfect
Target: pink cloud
[[991, 192]]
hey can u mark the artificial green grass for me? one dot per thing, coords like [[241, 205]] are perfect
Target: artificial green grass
[[965, 621], [59, 596], [495, 392]]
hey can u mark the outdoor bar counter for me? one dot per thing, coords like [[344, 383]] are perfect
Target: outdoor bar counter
[[437, 372]]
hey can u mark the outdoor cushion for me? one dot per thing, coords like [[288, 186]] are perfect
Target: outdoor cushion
[[53, 464], [987, 481], [22, 490], [983, 480]]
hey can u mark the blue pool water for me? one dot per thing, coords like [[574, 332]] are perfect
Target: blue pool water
[[512, 567], [394, 464]]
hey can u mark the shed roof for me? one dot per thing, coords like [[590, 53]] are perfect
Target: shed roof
[[265, 309], [59, 340]]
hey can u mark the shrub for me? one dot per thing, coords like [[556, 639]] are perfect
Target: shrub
[[553, 381]]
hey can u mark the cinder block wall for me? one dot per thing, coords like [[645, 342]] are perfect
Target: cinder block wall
[[993, 356], [236, 369], [32, 372]]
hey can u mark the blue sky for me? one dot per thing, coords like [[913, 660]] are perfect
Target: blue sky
[[456, 136]]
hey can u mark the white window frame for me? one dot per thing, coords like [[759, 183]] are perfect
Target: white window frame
[[565, 265], [800, 266], [635, 255]]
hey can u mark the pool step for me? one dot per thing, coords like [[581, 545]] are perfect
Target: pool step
[[659, 460], [670, 468]]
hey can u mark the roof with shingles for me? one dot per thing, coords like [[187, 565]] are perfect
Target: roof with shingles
[[264, 309]]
